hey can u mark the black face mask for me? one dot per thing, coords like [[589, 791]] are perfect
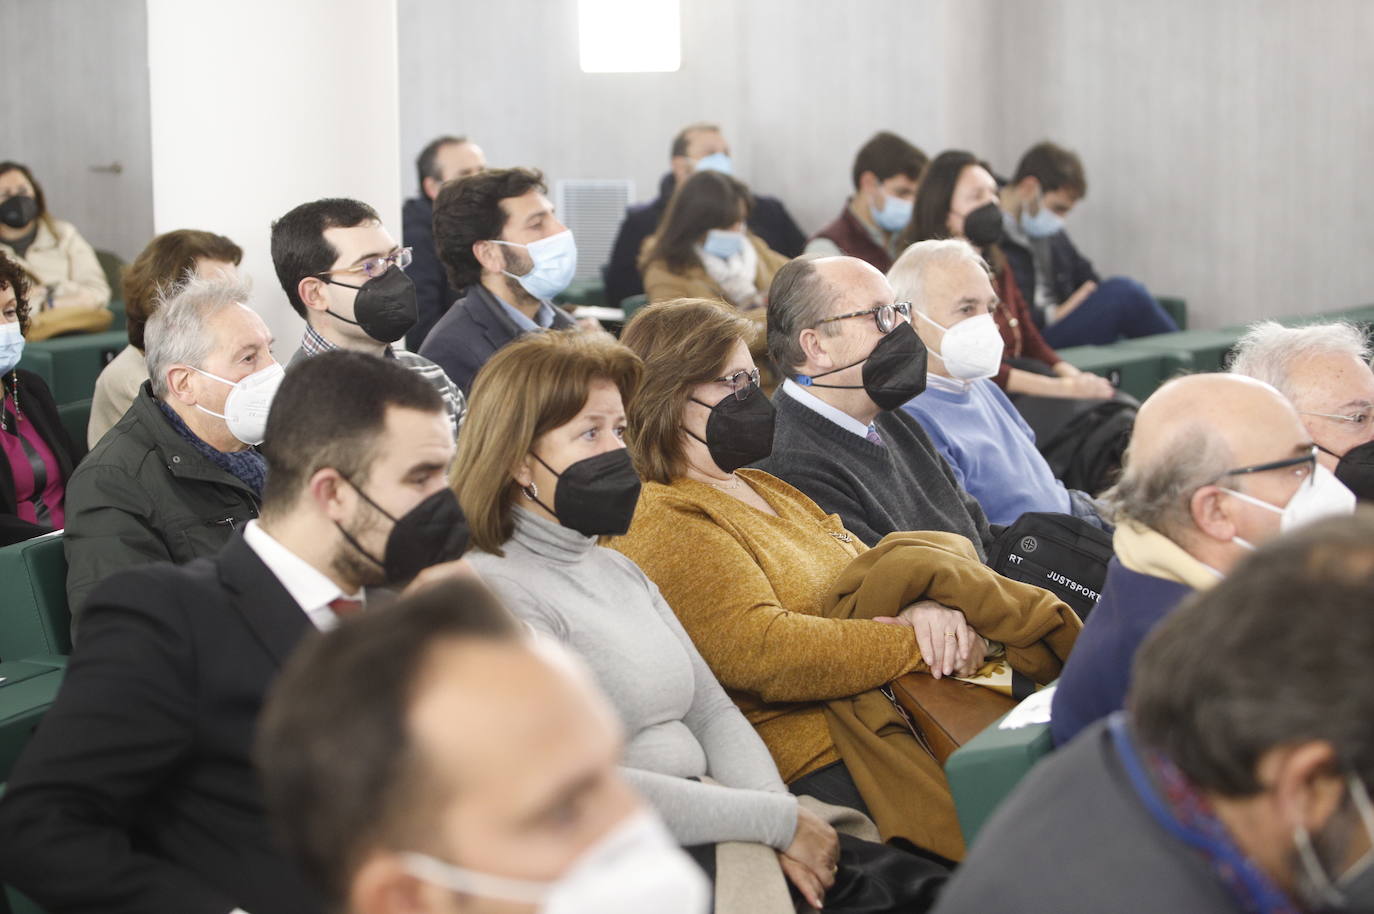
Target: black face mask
[[595, 496], [738, 432], [983, 226], [894, 372], [1356, 470], [385, 307], [432, 532], [18, 211]]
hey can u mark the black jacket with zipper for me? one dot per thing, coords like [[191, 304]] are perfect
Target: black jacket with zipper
[[144, 494]]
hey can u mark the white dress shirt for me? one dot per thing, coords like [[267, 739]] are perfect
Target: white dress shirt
[[312, 590], [816, 404]]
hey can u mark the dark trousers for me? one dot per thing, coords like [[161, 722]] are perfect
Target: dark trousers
[[832, 784], [1119, 308]]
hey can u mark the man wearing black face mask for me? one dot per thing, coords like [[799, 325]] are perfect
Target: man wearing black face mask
[[139, 794], [345, 275], [852, 360], [1237, 780], [1323, 370]]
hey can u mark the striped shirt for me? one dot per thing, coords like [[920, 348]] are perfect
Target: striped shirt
[[454, 401]]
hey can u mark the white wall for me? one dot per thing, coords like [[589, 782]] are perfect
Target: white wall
[[1225, 141], [259, 105]]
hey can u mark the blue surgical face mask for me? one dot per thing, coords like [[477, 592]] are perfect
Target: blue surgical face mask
[[555, 262], [723, 243], [716, 161], [894, 215], [1044, 223], [11, 346]]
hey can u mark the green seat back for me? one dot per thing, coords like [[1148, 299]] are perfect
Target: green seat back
[[1176, 308], [983, 771], [1202, 350], [584, 292], [1135, 372], [76, 417], [34, 618], [70, 364], [113, 265], [633, 303]]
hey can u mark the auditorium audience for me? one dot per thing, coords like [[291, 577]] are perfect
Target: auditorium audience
[[767, 585], [704, 249], [1239, 781], [60, 265], [698, 147], [166, 261], [179, 473], [138, 792], [1217, 465], [851, 359], [500, 241], [958, 199], [886, 173], [344, 273], [1071, 305], [38, 455], [447, 158], [988, 446], [1323, 370], [390, 805]]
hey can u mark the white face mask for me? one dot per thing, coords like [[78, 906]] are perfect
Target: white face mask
[[246, 407], [971, 349], [636, 868], [1321, 495]]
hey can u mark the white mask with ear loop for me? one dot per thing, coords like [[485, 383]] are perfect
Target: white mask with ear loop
[[635, 869], [1321, 495], [248, 403], [971, 349]]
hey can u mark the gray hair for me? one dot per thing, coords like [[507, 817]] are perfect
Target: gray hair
[[909, 274], [1157, 494], [798, 300], [179, 333], [1269, 350]]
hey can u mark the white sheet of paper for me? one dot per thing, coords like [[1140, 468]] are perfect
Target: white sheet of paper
[[1034, 710]]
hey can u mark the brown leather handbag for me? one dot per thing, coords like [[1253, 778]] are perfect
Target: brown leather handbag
[[947, 712]]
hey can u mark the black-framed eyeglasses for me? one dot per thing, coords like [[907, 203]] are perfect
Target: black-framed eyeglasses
[[742, 383], [1304, 466], [1357, 419], [376, 266], [885, 316]]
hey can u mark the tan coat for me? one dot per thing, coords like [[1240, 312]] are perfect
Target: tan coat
[[61, 258], [115, 391], [663, 284]]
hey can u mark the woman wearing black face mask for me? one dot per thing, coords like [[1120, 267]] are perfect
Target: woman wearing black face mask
[[543, 474], [958, 199], [68, 289]]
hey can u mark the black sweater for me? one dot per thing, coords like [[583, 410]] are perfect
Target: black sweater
[[902, 484]]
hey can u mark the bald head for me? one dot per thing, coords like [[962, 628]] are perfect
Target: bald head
[[808, 290], [1242, 415]]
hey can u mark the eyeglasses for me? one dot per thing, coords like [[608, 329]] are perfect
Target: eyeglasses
[[1359, 419], [885, 316], [375, 267], [1303, 466], [742, 383]]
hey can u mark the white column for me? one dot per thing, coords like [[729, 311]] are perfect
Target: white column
[[259, 105]]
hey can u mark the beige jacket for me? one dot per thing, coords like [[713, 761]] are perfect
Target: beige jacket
[[115, 391], [61, 258], [662, 284]]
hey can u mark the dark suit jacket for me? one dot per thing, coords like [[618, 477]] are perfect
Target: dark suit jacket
[[471, 332], [36, 402], [137, 794], [433, 295], [1068, 268], [769, 220]]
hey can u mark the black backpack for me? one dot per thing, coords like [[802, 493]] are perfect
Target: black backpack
[[1085, 453], [1061, 553]]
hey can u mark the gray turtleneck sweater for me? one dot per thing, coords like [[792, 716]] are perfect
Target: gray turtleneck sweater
[[679, 722]]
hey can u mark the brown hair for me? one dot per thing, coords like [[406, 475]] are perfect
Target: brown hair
[[683, 343], [530, 387], [12, 277], [162, 265], [1054, 167], [38, 196], [707, 200]]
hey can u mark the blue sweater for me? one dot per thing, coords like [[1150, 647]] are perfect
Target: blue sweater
[[1098, 674], [991, 450]]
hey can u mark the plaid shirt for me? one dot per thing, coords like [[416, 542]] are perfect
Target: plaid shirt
[[454, 401]]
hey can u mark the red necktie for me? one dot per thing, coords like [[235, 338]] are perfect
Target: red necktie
[[344, 607]]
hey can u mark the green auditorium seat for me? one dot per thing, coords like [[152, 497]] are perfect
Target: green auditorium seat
[[76, 417], [1136, 372], [27, 690], [70, 364], [983, 771], [584, 292], [633, 303], [34, 619], [1201, 350], [1176, 308], [113, 265]]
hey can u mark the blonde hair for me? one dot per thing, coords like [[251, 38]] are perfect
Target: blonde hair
[[533, 385]]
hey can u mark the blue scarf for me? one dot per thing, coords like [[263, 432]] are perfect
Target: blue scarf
[[248, 466]]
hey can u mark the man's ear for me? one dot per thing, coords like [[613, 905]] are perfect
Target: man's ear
[[810, 342], [868, 183], [430, 187], [326, 489], [1211, 513], [179, 378], [382, 885], [489, 255], [1306, 781], [1028, 187], [311, 289]]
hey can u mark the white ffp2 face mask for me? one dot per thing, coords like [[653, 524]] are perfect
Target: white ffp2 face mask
[[971, 349], [636, 868], [1323, 495], [248, 403]]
